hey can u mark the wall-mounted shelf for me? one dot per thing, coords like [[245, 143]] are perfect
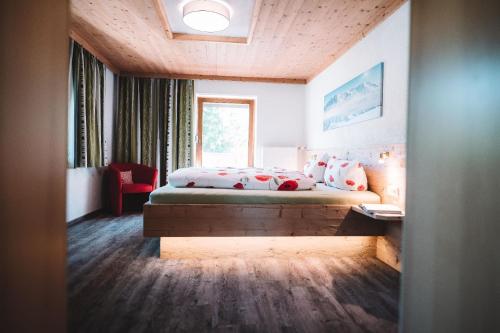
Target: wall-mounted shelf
[[377, 216]]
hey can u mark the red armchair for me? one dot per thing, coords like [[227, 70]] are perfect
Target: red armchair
[[144, 179]]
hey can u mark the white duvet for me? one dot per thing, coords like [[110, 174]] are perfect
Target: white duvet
[[241, 178]]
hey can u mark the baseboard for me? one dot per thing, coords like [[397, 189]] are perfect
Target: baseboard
[[85, 217]]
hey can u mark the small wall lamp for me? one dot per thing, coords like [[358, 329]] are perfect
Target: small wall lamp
[[383, 156]]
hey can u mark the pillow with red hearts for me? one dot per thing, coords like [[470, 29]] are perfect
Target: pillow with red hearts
[[315, 168], [346, 175]]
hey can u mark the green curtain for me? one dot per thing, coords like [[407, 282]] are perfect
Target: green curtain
[[88, 89], [153, 123]]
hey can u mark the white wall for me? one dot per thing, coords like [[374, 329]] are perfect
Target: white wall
[[388, 43], [84, 185], [279, 110], [83, 191]]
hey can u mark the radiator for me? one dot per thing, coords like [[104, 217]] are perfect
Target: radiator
[[282, 157]]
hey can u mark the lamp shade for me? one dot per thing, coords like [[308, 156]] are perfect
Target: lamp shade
[[206, 15]]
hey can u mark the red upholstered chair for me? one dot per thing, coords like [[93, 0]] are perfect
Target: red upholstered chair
[[144, 179]]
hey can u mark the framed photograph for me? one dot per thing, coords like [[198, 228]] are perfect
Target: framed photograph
[[358, 100]]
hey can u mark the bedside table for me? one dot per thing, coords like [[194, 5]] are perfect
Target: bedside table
[[380, 217]]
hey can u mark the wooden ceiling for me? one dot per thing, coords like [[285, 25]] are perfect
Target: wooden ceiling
[[292, 41]]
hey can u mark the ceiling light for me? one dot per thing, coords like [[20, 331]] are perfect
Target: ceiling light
[[206, 15]]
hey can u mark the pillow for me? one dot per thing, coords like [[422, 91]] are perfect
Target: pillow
[[346, 175], [126, 177], [315, 168]]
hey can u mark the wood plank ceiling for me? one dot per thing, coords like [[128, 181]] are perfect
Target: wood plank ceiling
[[293, 40]]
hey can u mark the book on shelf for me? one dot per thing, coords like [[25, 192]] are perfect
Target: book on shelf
[[385, 209]]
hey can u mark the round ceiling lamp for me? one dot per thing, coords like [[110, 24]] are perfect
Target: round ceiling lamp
[[206, 15]]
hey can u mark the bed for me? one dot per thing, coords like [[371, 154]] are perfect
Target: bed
[[196, 222], [201, 222]]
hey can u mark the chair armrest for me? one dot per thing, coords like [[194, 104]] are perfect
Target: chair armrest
[[154, 178], [115, 179]]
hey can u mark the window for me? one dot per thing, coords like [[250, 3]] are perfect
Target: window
[[225, 132]]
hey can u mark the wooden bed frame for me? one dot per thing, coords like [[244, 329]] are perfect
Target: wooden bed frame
[[248, 220], [226, 220]]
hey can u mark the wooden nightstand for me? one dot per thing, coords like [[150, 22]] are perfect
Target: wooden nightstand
[[380, 217]]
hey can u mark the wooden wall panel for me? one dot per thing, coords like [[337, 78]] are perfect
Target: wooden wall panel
[[389, 246], [387, 180]]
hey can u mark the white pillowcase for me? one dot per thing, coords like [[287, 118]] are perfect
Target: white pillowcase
[[315, 168], [346, 175]]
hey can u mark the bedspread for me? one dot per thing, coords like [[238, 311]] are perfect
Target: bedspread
[[241, 178]]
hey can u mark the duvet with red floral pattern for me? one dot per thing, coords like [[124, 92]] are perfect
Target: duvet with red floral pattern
[[241, 179]]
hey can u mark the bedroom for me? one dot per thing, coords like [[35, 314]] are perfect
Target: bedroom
[[219, 165]]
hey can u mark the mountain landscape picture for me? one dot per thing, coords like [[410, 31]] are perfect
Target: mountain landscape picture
[[358, 100]]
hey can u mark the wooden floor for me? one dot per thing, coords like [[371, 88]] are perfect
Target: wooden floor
[[117, 283]]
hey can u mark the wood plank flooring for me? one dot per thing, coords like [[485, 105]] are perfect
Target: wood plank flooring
[[117, 283]]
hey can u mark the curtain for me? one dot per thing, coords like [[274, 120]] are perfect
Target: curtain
[[153, 123], [88, 97]]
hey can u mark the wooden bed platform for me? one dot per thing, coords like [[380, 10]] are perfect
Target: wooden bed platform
[[229, 220], [192, 225]]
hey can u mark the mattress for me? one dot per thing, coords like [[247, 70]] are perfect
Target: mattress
[[321, 194]]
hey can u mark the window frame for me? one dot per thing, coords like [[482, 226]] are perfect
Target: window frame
[[199, 133]]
